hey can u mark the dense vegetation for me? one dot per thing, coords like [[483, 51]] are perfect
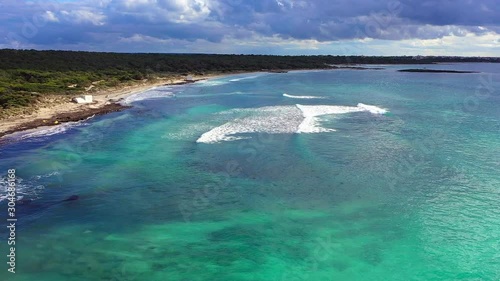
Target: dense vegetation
[[25, 75]]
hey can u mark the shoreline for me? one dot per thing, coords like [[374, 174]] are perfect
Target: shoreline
[[105, 101], [65, 117]]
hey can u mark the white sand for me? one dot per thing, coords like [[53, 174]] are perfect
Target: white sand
[[54, 105]]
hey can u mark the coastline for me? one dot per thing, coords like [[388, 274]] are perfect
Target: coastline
[[56, 110]]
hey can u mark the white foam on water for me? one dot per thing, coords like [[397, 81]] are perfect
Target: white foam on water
[[30, 188], [211, 82], [187, 132], [312, 112], [45, 131], [311, 125], [154, 93], [210, 95], [55, 173], [311, 115], [372, 109], [279, 120], [319, 110], [270, 119], [302, 97], [245, 78], [306, 71]]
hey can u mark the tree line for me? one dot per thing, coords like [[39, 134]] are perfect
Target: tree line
[[26, 75]]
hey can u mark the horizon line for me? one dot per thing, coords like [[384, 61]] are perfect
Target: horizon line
[[250, 54]]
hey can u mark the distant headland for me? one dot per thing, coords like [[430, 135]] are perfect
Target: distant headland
[[436, 71]]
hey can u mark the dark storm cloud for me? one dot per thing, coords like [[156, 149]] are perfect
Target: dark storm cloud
[[91, 21], [457, 12]]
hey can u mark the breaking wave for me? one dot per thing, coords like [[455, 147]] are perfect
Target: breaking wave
[[210, 83], [270, 119], [154, 93], [372, 109], [244, 78], [302, 97], [25, 189], [45, 131], [279, 120]]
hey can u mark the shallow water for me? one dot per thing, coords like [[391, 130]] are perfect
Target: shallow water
[[229, 179]]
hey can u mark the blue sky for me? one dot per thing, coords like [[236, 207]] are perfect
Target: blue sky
[[343, 27]]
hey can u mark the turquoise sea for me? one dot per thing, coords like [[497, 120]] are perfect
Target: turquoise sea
[[308, 175]]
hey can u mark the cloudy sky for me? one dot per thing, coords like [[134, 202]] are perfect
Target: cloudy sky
[[363, 27]]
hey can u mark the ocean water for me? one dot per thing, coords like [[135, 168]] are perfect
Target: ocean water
[[309, 175]]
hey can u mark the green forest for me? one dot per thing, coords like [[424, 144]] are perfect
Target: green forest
[[26, 75]]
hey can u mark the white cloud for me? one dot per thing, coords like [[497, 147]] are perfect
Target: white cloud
[[50, 16], [84, 16], [139, 38], [464, 42], [468, 44], [184, 11], [276, 41], [137, 3], [175, 11]]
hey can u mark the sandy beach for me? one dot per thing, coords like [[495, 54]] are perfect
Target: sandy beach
[[57, 109]]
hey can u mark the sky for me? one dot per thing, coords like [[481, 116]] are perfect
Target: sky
[[279, 27]]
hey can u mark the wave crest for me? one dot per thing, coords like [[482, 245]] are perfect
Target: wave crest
[[302, 97], [372, 109], [154, 93], [279, 120]]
